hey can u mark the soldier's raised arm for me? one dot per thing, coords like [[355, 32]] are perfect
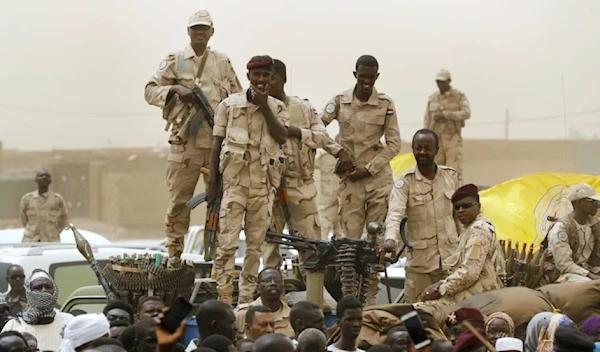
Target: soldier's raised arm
[[396, 211]]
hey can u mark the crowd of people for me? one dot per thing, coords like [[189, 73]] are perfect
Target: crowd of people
[[267, 324]]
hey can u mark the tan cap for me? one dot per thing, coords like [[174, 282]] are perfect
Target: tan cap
[[443, 75], [582, 191], [200, 18]]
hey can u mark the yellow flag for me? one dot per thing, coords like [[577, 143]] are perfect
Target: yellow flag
[[519, 208]]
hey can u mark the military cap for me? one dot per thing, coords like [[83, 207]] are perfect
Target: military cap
[[464, 192], [443, 75], [464, 313], [261, 61], [467, 341], [582, 191], [200, 18]]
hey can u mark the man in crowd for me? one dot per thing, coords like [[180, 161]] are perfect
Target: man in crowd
[[305, 134], [171, 89], [149, 307], [423, 194], [573, 240], [446, 113], [250, 128], [349, 319], [258, 321], [214, 318], [311, 340], [455, 320], [43, 212], [12, 341], [364, 117], [15, 297], [270, 286]]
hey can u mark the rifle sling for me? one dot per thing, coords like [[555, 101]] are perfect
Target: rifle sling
[[194, 130]]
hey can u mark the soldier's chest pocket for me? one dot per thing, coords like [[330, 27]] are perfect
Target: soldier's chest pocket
[[416, 209], [186, 79], [434, 106], [448, 207], [374, 123], [344, 116]]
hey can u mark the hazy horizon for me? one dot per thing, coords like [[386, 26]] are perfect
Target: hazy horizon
[[74, 72]]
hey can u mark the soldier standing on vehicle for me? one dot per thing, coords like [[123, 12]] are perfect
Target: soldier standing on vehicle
[[364, 116], [250, 128], [446, 113], [329, 194], [573, 240], [171, 89], [424, 194], [43, 212], [305, 134]]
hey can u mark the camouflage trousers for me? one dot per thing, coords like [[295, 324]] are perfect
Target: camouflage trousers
[[183, 171], [252, 208], [416, 283], [304, 219], [329, 208], [450, 153], [363, 202]]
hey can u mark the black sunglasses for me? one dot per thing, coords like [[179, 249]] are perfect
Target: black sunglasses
[[465, 205]]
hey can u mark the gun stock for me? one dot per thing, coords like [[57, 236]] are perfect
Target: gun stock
[[200, 197], [85, 249]]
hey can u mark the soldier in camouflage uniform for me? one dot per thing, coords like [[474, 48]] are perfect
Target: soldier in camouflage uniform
[[171, 90], [446, 113], [573, 240], [478, 258], [365, 116], [305, 134]]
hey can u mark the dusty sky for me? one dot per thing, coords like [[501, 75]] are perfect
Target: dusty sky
[[74, 71]]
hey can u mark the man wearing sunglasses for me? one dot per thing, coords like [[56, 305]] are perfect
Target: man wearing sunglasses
[[15, 297], [478, 261], [573, 238], [423, 195]]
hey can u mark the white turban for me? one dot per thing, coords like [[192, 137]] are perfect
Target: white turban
[[84, 329]]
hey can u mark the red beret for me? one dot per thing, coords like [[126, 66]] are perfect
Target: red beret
[[467, 341], [465, 313], [464, 192], [261, 61]]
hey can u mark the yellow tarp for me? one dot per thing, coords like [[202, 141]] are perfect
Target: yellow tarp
[[519, 208]]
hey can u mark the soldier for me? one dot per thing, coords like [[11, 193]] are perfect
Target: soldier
[[446, 113], [573, 240], [478, 260], [305, 134], [329, 194], [43, 212], [250, 128], [364, 116], [170, 89], [423, 194]]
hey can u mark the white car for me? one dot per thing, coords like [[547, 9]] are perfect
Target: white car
[[66, 236]]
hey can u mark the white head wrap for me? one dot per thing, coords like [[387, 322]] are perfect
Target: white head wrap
[[84, 329]]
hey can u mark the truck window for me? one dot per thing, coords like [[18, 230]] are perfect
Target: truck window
[[73, 275], [3, 283]]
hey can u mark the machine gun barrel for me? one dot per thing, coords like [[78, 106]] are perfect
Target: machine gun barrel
[[290, 240]]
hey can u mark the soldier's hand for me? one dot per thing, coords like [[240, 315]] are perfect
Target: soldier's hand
[[185, 94], [359, 174], [431, 292], [439, 116], [259, 97], [346, 160], [389, 246], [593, 276]]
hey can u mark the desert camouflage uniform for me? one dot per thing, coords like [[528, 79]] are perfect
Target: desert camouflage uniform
[[188, 154], [431, 227], [44, 216], [329, 196], [455, 107], [298, 171], [362, 124], [251, 167], [574, 248], [475, 265]]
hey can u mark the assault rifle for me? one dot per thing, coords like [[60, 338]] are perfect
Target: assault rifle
[[203, 111]]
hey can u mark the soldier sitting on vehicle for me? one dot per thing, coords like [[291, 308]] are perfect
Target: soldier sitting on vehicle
[[572, 240]]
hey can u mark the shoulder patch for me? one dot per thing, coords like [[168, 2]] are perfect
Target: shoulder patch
[[389, 112], [162, 65], [330, 108], [399, 183], [562, 235]]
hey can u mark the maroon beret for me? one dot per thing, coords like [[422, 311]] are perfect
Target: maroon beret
[[461, 314], [467, 341], [261, 61], [464, 192]]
